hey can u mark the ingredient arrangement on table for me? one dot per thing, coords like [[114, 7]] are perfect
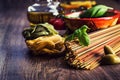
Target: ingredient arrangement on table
[[92, 36], [43, 38]]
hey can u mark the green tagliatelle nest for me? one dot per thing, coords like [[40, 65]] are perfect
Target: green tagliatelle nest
[[44, 39]]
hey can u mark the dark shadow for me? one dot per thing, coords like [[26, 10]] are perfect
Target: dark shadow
[[56, 60], [53, 61]]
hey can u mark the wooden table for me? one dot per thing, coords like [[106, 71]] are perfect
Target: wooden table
[[17, 63]]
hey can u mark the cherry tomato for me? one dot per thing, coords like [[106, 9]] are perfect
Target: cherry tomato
[[58, 23]]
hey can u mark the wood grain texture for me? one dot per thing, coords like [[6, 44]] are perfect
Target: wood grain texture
[[17, 63]]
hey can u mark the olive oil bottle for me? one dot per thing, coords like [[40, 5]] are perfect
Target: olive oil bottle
[[42, 11], [38, 12], [35, 17]]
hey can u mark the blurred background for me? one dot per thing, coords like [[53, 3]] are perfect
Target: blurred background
[[23, 4]]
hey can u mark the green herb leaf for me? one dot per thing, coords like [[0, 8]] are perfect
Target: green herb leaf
[[81, 34], [84, 38], [70, 37]]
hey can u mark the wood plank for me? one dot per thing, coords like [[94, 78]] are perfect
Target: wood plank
[[17, 63]]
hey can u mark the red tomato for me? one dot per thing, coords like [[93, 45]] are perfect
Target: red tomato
[[118, 21], [58, 23], [52, 20]]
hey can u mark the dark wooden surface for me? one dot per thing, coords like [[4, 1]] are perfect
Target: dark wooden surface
[[16, 62]]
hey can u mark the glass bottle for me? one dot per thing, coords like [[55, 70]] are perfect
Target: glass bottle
[[41, 11]]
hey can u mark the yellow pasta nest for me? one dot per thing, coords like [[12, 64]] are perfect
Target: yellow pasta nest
[[53, 44]]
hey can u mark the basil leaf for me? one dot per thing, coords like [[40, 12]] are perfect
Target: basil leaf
[[70, 37], [84, 37], [81, 34], [84, 40]]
